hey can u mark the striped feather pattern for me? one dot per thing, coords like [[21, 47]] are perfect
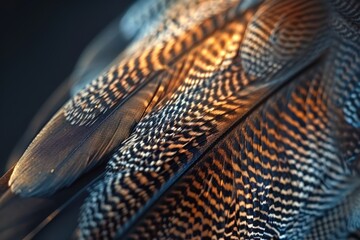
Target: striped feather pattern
[[172, 38], [348, 8], [342, 72], [173, 136], [264, 180], [231, 119], [184, 123], [281, 32], [345, 28], [345, 73], [339, 221]]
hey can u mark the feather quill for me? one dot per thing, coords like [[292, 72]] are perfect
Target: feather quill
[[233, 119], [140, 177]]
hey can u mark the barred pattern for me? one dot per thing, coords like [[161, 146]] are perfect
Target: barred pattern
[[275, 40], [270, 178], [198, 166], [339, 221], [346, 73], [348, 8], [185, 123], [76, 148], [343, 69], [226, 119], [170, 40]]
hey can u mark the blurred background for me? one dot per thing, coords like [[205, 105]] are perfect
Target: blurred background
[[40, 43]]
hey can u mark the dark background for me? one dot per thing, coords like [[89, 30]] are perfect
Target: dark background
[[40, 42]]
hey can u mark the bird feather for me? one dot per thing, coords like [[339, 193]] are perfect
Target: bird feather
[[224, 119]]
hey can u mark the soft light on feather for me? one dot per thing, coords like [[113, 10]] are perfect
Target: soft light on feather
[[222, 119]]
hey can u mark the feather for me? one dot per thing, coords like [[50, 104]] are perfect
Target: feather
[[100, 53], [61, 152], [26, 217], [340, 221], [104, 51], [76, 148], [172, 138], [223, 119], [151, 56]]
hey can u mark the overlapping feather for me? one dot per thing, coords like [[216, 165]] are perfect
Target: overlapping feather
[[224, 119]]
